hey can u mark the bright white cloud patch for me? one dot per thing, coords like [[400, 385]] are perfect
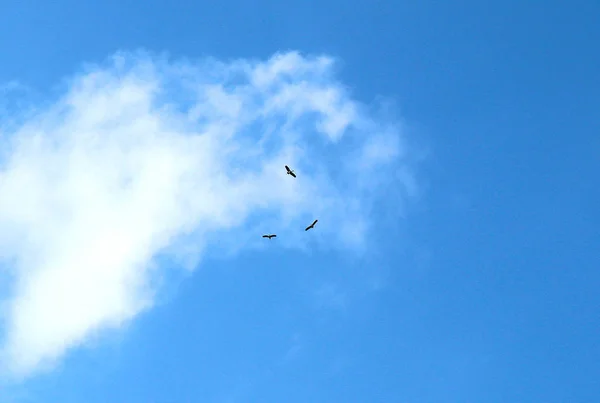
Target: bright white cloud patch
[[145, 157]]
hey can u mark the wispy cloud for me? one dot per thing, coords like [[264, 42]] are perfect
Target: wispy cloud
[[143, 157]]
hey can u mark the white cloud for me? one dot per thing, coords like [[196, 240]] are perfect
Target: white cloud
[[144, 157]]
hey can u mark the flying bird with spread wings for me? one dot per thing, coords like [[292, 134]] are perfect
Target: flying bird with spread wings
[[311, 225], [289, 171], [270, 236]]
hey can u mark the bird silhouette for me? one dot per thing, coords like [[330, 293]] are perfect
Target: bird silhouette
[[311, 225], [289, 171], [269, 236]]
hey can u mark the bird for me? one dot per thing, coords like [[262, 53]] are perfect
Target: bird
[[289, 171], [270, 236], [311, 225]]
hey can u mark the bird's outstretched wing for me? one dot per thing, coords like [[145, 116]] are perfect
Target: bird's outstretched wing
[[293, 174], [288, 169], [265, 236], [311, 225], [273, 236]]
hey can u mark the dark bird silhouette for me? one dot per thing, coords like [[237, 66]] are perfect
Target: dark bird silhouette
[[270, 236], [311, 225], [289, 171]]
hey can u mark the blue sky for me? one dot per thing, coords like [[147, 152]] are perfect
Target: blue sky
[[458, 264]]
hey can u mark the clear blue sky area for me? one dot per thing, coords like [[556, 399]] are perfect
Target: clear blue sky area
[[488, 288]]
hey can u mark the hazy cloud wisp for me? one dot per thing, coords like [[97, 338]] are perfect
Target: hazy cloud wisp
[[143, 155]]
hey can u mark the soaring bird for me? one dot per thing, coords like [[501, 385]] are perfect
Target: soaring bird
[[270, 236], [289, 171], [311, 225]]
